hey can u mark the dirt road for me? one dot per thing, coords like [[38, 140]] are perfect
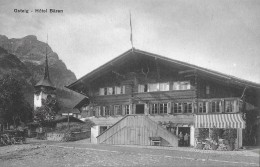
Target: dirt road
[[50, 154]]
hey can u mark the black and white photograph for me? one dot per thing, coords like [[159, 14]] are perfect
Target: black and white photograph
[[151, 83]]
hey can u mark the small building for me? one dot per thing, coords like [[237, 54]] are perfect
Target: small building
[[44, 89], [139, 98]]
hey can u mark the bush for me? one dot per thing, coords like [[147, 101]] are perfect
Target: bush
[[215, 134], [230, 135], [200, 146], [214, 146], [203, 133]]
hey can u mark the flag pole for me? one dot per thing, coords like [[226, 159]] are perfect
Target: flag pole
[[131, 32]]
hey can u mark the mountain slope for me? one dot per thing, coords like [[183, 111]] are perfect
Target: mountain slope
[[32, 53], [25, 57]]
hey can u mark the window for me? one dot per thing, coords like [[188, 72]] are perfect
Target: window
[[127, 109], [163, 108], [187, 107], [117, 110], [164, 86], [229, 106], [119, 90], [177, 108], [109, 91], [98, 111], [215, 106], [154, 109], [207, 90], [112, 90], [183, 85], [202, 107], [106, 111], [153, 87], [142, 88]]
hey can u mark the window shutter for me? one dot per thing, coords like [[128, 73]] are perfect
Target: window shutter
[[111, 110], [130, 109], [123, 87], [120, 110], [207, 107], [123, 109], [101, 91], [169, 107], [236, 106]]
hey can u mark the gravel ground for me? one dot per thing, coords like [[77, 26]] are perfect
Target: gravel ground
[[81, 154]]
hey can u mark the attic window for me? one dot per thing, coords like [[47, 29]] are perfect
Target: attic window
[[207, 90], [142, 88], [112, 90], [181, 85]]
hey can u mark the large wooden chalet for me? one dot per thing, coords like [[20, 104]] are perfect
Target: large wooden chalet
[[139, 98]]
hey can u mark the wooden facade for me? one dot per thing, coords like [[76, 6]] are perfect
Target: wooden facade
[[156, 91]]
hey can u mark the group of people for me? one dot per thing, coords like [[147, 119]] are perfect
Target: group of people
[[184, 139]]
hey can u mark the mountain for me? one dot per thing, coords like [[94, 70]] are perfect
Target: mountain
[[32, 53], [10, 64], [26, 58]]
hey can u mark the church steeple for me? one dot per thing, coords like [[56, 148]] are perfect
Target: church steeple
[[46, 71], [45, 81]]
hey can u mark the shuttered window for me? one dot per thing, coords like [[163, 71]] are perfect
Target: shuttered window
[[216, 106], [202, 107], [164, 86], [154, 108], [181, 85], [163, 108], [112, 90], [229, 106], [127, 109], [177, 107], [153, 87], [187, 107]]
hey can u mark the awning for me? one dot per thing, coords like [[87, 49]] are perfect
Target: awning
[[219, 121]]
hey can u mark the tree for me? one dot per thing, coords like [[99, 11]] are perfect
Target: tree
[[47, 111], [14, 109]]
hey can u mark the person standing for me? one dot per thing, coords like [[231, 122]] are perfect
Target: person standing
[[181, 138], [186, 139]]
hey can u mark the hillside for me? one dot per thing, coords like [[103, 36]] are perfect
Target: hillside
[[32, 53], [26, 58]]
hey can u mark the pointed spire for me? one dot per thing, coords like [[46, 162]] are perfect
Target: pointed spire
[[46, 71], [45, 81]]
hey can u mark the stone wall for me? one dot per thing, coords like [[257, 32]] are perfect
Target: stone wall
[[56, 136]]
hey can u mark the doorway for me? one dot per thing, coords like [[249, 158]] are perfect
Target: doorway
[[184, 140], [139, 109]]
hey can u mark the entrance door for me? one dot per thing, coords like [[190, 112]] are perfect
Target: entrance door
[[139, 109], [185, 141]]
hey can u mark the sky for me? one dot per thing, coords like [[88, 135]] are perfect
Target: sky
[[222, 35]]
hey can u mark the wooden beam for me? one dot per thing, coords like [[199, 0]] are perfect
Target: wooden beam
[[187, 71]]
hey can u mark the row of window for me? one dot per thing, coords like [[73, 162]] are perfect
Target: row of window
[[150, 87], [171, 108], [165, 86], [112, 90], [111, 110]]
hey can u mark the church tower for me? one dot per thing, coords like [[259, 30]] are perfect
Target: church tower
[[44, 89]]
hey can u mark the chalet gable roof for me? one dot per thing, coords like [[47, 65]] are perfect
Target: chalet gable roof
[[198, 69]]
